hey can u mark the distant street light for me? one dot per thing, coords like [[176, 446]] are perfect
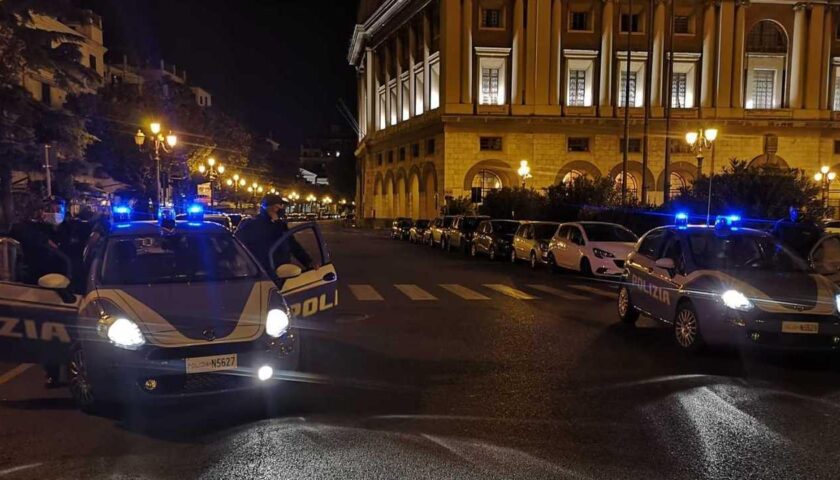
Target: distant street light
[[213, 173], [699, 141], [824, 177], [159, 142], [524, 171]]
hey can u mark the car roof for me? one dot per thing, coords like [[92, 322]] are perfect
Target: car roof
[[130, 229], [706, 228]]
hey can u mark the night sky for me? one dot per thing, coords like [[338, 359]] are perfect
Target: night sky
[[278, 65]]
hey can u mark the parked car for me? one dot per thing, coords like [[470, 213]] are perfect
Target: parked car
[[494, 238], [438, 229], [460, 234], [832, 226], [531, 242], [417, 232], [311, 217], [236, 218], [400, 227], [591, 247], [217, 218]]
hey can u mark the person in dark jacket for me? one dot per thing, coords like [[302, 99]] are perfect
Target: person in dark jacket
[[260, 233], [797, 233], [41, 238]]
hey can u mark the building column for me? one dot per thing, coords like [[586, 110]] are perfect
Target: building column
[[815, 56], [388, 104], [412, 76], [361, 107], [707, 78], [378, 108], [542, 64], [738, 49], [828, 39], [797, 59], [427, 71], [657, 56], [517, 79], [531, 52], [372, 94], [605, 81], [726, 27], [399, 61], [556, 65], [467, 53], [450, 54]]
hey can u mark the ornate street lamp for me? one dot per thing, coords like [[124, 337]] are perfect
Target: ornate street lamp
[[158, 142], [524, 171], [213, 172], [824, 177], [699, 141]]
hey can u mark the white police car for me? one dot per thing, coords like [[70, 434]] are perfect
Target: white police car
[[170, 310], [725, 284]]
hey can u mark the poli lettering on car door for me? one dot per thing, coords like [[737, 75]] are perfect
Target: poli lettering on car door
[[314, 291]]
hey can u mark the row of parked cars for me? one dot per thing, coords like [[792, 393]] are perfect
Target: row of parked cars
[[591, 248]]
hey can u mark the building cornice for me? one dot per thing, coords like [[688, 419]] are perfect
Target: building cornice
[[376, 23]]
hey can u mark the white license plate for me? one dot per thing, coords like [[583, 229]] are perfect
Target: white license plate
[[211, 364], [801, 327]]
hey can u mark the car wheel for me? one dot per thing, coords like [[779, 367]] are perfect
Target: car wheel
[[585, 267], [473, 253], [687, 329], [442, 244], [533, 260], [626, 312], [513, 258], [78, 380], [492, 253], [552, 263]]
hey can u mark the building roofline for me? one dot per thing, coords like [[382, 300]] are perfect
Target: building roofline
[[381, 17]]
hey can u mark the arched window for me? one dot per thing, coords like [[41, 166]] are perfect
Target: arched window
[[766, 62], [632, 185], [767, 36], [573, 175], [678, 183], [484, 182]]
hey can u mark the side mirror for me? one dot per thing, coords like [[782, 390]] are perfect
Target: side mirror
[[59, 283], [287, 270], [666, 263]]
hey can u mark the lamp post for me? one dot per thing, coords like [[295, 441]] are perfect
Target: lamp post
[[524, 171], [159, 142], [311, 200], [699, 141], [213, 172], [824, 177]]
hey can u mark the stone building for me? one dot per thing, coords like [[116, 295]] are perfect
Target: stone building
[[454, 94]]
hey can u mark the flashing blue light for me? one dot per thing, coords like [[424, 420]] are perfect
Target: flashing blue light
[[195, 213], [728, 221], [122, 210], [681, 219], [194, 224], [121, 213], [195, 209]]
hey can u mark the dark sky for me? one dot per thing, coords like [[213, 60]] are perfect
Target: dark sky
[[278, 65]]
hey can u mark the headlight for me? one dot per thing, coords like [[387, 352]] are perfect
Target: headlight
[[276, 322], [837, 302], [736, 300], [602, 253], [125, 334]]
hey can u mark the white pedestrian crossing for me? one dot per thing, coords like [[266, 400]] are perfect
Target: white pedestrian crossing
[[510, 291], [417, 293], [593, 290], [365, 293], [414, 292], [463, 292], [557, 292]]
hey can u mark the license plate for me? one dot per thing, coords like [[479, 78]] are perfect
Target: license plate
[[211, 364], [800, 327]]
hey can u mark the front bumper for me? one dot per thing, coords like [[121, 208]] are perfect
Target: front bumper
[[773, 330], [120, 374], [607, 267]]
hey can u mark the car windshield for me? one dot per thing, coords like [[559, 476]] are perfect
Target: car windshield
[[544, 231], [175, 258], [745, 251], [422, 224], [505, 228], [404, 222], [605, 232], [470, 223], [447, 221]]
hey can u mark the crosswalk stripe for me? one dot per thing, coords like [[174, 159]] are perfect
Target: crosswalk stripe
[[11, 374], [463, 292], [414, 292], [557, 292], [365, 293], [593, 290], [509, 291]]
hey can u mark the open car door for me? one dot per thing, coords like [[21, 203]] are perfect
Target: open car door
[[825, 257], [304, 269], [37, 324]]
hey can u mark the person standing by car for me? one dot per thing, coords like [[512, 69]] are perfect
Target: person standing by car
[[261, 232], [797, 233]]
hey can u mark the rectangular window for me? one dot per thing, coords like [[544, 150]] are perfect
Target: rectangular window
[[415, 150], [418, 93], [679, 146], [490, 144], [434, 100], [678, 90], [402, 154], [623, 93], [837, 147], [578, 144], [579, 21], [46, 94], [763, 88], [92, 61], [430, 146], [682, 24], [391, 156], [630, 23], [393, 94], [837, 93], [406, 99], [491, 18], [490, 86], [381, 108], [577, 88], [635, 145], [379, 159]]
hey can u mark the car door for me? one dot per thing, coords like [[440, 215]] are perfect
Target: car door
[[825, 257], [575, 247], [315, 289], [666, 282], [37, 324], [517, 239], [640, 268], [561, 245], [480, 235]]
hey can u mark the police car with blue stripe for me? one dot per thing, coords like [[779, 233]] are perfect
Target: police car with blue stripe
[[169, 309], [725, 284]]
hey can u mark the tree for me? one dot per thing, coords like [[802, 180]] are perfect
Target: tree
[[520, 203], [566, 200], [764, 192], [460, 206]]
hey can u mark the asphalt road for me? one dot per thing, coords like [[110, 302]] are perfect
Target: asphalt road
[[529, 376]]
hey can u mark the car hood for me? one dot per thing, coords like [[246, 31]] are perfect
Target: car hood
[[781, 292], [195, 313], [619, 249]]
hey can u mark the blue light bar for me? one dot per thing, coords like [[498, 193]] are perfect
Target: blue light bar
[[728, 221], [121, 213], [195, 213], [681, 219]]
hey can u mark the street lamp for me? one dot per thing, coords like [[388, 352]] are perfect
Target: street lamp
[[213, 172], [824, 177], [159, 142], [699, 141], [524, 171]]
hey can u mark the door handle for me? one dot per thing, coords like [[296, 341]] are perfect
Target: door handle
[[330, 277]]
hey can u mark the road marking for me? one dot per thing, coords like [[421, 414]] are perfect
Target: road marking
[[19, 468], [557, 292], [463, 292], [509, 291], [593, 290], [365, 293], [11, 374], [414, 292]]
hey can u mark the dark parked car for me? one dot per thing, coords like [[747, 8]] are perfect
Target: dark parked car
[[460, 235], [417, 233], [438, 229], [400, 228], [494, 238]]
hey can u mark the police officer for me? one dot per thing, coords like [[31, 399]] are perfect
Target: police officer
[[797, 233], [260, 233]]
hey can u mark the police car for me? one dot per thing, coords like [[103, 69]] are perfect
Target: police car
[[724, 284], [170, 309]]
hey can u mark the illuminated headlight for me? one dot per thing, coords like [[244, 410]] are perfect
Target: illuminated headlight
[[736, 300], [125, 334], [837, 302], [602, 253], [276, 322]]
